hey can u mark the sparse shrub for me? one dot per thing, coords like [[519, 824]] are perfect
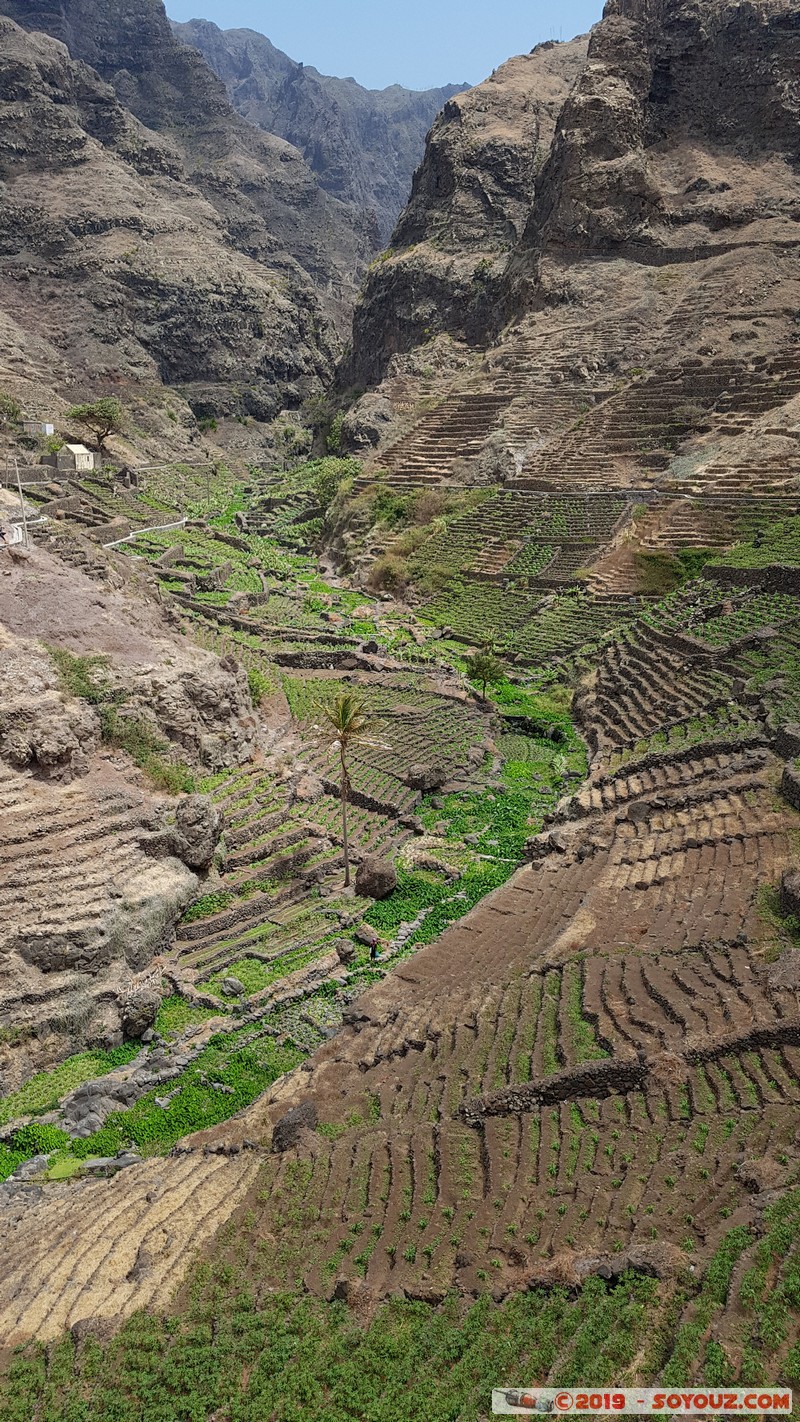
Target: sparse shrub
[[294, 441], [10, 410], [53, 444], [659, 572], [131, 734], [388, 574], [259, 685], [330, 476], [390, 508], [208, 425], [410, 541], [78, 676], [334, 437], [428, 504]]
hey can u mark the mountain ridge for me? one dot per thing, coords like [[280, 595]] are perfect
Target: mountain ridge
[[362, 144]]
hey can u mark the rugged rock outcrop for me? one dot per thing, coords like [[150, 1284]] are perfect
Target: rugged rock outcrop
[[662, 139], [95, 868], [191, 834], [376, 877], [149, 236], [41, 730], [362, 144], [288, 1132], [668, 139], [469, 205]]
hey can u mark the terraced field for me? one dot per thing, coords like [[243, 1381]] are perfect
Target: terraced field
[[569, 1088]]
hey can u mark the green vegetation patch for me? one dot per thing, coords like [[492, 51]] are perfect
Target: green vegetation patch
[[243, 1064], [44, 1091], [176, 1014], [292, 1357]]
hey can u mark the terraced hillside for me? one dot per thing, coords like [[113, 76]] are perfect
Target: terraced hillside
[[591, 1074], [272, 949], [534, 1110]]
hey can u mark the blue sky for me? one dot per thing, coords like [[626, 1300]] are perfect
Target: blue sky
[[419, 43]]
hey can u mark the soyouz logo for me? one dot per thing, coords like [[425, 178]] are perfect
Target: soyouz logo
[[643, 1402]]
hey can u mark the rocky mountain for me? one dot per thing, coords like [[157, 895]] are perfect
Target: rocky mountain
[[528, 1085], [469, 206], [150, 236], [363, 145], [597, 207]]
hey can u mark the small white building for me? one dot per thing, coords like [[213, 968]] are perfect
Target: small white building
[[38, 427], [75, 459]]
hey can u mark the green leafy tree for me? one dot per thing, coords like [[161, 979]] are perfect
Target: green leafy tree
[[329, 476], [317, 411], [292, 442], [345, 720], [485, 668], [335, 433], [103, 417]]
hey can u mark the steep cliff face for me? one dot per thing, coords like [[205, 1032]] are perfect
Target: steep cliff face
[[671, 137], [152, 242], [118, 271], [469, 205], [263, 189], [682, 127], [362, 144]]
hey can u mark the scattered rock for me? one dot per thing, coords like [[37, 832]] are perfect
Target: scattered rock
[[233, 987], [761, 1174], [199, 825], [139, 1013], [344, 950], [790, 893], [289, 1128], [376, 877], [309, 788], [425, 777], [785, 973]]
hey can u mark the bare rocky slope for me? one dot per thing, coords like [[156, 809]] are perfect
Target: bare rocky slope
[[660, 205], [564, 1099], [363, 145], [152, 240]]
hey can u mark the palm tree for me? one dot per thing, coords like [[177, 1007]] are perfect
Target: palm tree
[[345, 717]]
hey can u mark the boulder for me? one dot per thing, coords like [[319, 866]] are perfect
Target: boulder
[[309, 788], [759, 1174], [425, 777], [198, 825], [785, 972], [344, 950], [366, 934], [139, 1013], [232, 987], [376, 877], [790, 893], [288, 1130]]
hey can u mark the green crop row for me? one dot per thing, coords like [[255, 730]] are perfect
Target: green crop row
[[291, 1357]]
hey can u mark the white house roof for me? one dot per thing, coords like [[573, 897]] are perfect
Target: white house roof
[[77, 449]]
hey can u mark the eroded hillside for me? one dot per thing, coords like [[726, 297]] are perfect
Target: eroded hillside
[[363, 145], [155, 245], [535, 1108]]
